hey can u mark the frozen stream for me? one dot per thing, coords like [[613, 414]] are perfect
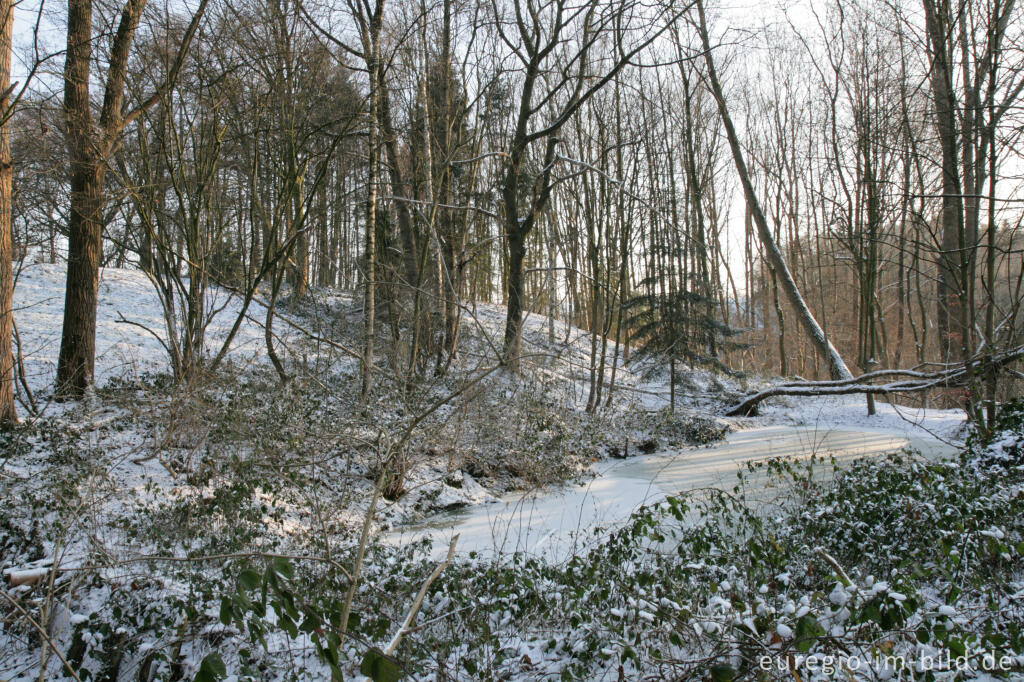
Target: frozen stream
[[548, 521]]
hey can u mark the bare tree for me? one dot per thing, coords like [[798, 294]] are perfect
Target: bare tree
[[557, 45], [90, 147], [970, 97], [814, 332]]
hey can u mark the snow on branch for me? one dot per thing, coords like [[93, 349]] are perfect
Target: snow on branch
[[912, 381]]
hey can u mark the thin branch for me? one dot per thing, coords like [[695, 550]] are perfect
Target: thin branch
[[411, 616], [42, 633]]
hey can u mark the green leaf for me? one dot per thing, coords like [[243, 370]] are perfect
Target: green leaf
[[329, 653], [248, 579], [722, 673], [379, 667], [311, 622], [283, 568], [807, 630], [211, 669], [288, 625], [354, 621], [227, 610]]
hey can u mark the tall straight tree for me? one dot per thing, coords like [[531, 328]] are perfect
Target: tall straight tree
[[89, 149], [8, 416], [368, 17], [952, 262]]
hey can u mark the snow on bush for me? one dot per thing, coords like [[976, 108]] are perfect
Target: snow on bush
[[893, 569]]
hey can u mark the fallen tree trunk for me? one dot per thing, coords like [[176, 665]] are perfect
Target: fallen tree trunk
[[913, 381]]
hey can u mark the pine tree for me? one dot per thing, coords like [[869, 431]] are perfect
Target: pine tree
[[676, 326]]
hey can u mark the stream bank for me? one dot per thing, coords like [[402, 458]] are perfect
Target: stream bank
[[558, 522]]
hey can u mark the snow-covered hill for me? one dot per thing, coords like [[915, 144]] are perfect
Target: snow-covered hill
[[127, 351], [123, 350]]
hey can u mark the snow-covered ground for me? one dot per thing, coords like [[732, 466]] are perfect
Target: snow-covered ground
[[127, 351], [830, 412], [138, 473], [123, 350]]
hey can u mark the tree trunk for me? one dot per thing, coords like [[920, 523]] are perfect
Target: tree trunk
[[780, 317], [948, 285], [88, 147], [372, 44], [837, 368], [77, 359], [76, 362], [8, 415], [514, 316]]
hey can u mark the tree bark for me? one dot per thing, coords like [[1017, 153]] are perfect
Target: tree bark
[[949, 283], [76, 362], [8, 414], [514, 312], [371, 43]]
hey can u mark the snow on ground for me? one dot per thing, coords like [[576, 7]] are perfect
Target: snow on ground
[[126, 350], [561, 351], [827, 412], [133, 482], [123, 351], [555, 351]]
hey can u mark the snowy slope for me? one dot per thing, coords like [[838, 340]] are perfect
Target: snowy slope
[[122, 350], [126, 351]]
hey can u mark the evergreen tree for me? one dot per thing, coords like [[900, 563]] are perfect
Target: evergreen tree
[[676, 326]]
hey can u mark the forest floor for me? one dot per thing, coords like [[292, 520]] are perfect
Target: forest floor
[[124, 506], [511, 432]]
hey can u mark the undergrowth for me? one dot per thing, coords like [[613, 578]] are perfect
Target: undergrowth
[[894, 567]]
